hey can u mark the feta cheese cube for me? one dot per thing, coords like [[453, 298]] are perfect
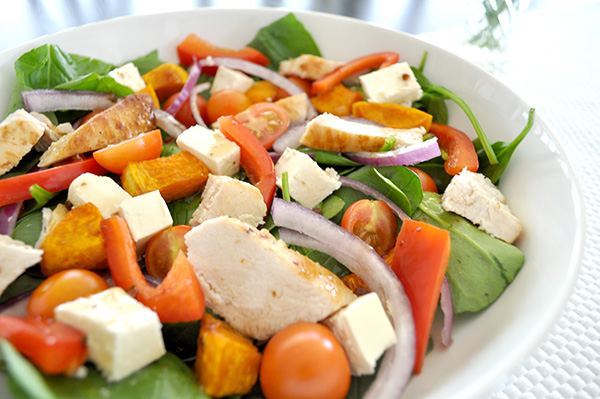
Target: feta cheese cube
[[101, 191], [308, 66], [364, 331], [227, 78], [308, 183], [296, 106], [146, 215], [395, 84], [122, 335], [15, 258], [128, 75], [18, 134], [474, 197], [226, 196], [221, 156]]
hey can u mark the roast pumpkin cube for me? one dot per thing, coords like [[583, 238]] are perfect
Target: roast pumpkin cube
[[227, 363], [75, 242], [166, 79], [177, 176]]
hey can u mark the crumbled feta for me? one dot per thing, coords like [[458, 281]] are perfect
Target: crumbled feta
[[227, 78], [221, 156], [128, 75], [101, 191], [395, 84]]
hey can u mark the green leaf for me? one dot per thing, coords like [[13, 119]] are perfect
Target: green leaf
[[332, 206], [28, 228], [181, 339], [147, 62], [182, 209], [283, 39], [480, 266], [25, 282], [40, 196], [170, 149], [96, 82], [328, 157], [435, 169]]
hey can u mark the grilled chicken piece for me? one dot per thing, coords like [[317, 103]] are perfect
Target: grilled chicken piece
[[308, 66], [18, 134], [128, 118], [256, 283]]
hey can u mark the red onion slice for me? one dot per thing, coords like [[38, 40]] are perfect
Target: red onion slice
[[46, 100], [194, 102], [447, 306], [291, 138], [168, 123], [371, 192], [410, 155], [184, 94], [8, 217], [307, 228]]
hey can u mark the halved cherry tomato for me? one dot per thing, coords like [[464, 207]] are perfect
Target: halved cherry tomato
[[63, 287], [226, 102], [195, 47], [184, 115], [54, 347], [304, 360], [459, 147], [267, 121], [144, 147], [163, 248], [427, 183], [373, 222]]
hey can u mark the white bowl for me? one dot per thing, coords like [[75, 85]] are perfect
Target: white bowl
[[539, 182]]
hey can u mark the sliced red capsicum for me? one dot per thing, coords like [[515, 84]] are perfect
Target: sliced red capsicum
[[420, 260], [194, 47], [458, 146], [254, 158], [54, 347], [370, 61], [57, 178], [178, 298]]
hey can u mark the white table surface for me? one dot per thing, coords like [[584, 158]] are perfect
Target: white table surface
[[553, 62]]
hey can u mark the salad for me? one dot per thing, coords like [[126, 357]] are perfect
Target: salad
[[295, 120]]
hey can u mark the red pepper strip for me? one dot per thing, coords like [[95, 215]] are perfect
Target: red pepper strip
[[255, 159], [54, 347], [194, 47], [178, 298], [371, 61], [459, 147], [14, 189], [420, 260]]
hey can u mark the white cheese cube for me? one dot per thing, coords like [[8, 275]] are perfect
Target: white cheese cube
[[395, 84], [227, 78], [19, 132], [364, 331], [146, 215], [15, 258], [221, 156], [101, 191], [122, 335], [296, 106], [226, 196], [308, 183], [128, 75], [308, 66], [475, 197]]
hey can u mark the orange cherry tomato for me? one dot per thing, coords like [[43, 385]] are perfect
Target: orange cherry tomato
[[140, 148], [63, 287], [373, 222], [266, 120], [226, 102], [184, 115], [302, 361], [427, 183], [163, 248]]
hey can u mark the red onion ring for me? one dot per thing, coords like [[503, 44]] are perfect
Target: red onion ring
[[409, 155], [291, 138], [447, 306], [304, 227], [168, 123], [8, 217], [46, 100], [371, 192], [184, 94], [194, 102]]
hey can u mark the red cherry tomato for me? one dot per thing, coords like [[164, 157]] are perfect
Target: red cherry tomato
[[226, 102], [163, 248], [266, 120], [140, 148], [184, 115], [63, 287], [303, 361], [373, 222]]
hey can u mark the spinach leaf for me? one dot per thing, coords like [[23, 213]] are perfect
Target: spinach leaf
[[96, 82], [328, 157], [28, 228], [480, 266], [27, 281], [181, 339], [182, 209], [283, 39], [147, 62]]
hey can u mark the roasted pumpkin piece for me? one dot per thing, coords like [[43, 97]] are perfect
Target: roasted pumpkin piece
[[166, 79], [337, 101], [75, 242], [392, 115], [177, 176], [356, 284], [227, 363]]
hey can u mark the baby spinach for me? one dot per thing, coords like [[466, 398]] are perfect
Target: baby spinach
[[480, 266]]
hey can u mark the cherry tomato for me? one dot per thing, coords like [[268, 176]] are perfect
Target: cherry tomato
[[140, 148], [184, 115], [303, 361], [459, 147], [63, 287], [427, 183], [163, 248], [226, 102], [266, 120], [373, 222]]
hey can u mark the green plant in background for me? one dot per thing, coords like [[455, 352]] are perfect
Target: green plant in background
[[492, 21]]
